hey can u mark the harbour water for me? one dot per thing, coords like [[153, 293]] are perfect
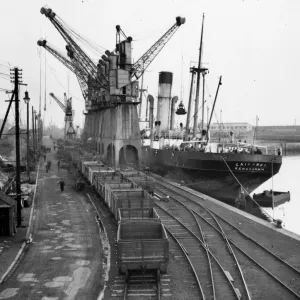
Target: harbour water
[[286, 180]]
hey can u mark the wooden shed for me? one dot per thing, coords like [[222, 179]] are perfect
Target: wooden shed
[[8, 213]]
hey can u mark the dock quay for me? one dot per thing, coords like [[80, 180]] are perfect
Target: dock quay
[[214, 249]]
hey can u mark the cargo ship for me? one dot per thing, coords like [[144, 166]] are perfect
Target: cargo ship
[[218, 169], [219, 175]]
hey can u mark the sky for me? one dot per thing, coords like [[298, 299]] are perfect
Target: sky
[[253, 44]]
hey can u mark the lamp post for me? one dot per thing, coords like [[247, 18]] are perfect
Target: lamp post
[[35, 133], [26, 100]]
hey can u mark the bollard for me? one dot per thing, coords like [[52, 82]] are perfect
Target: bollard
[[279, 223]]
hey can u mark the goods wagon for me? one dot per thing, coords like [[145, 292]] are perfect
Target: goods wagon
[[97, 176], [90, 169], [146, 182], [73, 153], [60, 153], [82, 159], [141, 179], [142, 245], [141, 239], [138, 213], [110, 178], [85, 164], [110, 188], [136, 198]]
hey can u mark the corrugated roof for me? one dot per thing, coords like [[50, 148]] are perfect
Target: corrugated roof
[[5, 199]]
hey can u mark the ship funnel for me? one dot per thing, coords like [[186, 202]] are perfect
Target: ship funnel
[[151, 105], [164, 100], [174, 101]]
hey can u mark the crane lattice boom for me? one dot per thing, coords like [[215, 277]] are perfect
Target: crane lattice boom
[[143, 62], [61, 105], [73, 48], [81, 77]]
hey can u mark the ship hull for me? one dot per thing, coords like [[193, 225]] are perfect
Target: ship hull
[[214, 174]]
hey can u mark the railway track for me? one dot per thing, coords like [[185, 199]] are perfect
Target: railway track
[[137, 285], [249, 255], [214, 280]]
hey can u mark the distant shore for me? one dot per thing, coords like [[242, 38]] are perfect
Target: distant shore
[[288, 149]]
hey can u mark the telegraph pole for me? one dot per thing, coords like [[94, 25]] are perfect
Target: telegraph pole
[[17, 79], [33, 133]]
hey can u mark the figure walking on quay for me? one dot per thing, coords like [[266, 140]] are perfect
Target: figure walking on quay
[[61, 183], [58, 165]]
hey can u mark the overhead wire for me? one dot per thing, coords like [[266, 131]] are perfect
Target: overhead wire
[[63, 86], [97, 48]]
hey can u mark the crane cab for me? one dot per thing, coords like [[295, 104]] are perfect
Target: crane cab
[[69, 112]]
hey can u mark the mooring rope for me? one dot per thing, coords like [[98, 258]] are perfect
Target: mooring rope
[[247, 191]]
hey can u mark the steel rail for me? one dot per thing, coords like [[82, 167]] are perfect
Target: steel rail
[[188, 259], [207, 254], [246, 236], [125, 291], [236, 228], [222, 233], [203, 245], [127, 285]]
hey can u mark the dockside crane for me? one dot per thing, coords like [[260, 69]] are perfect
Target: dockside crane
[[114, 79], [69, 132], [74, 50], [139, 67], [81, 77]]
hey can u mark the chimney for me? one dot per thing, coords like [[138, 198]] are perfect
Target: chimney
[[164, 100], [151, 110], [174, 101]]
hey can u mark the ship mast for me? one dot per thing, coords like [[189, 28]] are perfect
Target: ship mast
[[199, 70]]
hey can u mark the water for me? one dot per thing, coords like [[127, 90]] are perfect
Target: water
[[286, 180]]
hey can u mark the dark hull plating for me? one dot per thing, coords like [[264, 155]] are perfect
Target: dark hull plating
[[209, 174]]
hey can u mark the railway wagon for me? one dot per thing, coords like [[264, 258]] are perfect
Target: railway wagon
[[85, 165], [82, 159], [97, 177], [74, 153], [144, 181], [142, 245], [138, 213], [113, 177], [140, 178], [113, 187], [97, 169], [60, 153], [135, 198], [90, 169]]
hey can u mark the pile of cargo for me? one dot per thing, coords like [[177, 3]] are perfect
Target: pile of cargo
[[142, 240]]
